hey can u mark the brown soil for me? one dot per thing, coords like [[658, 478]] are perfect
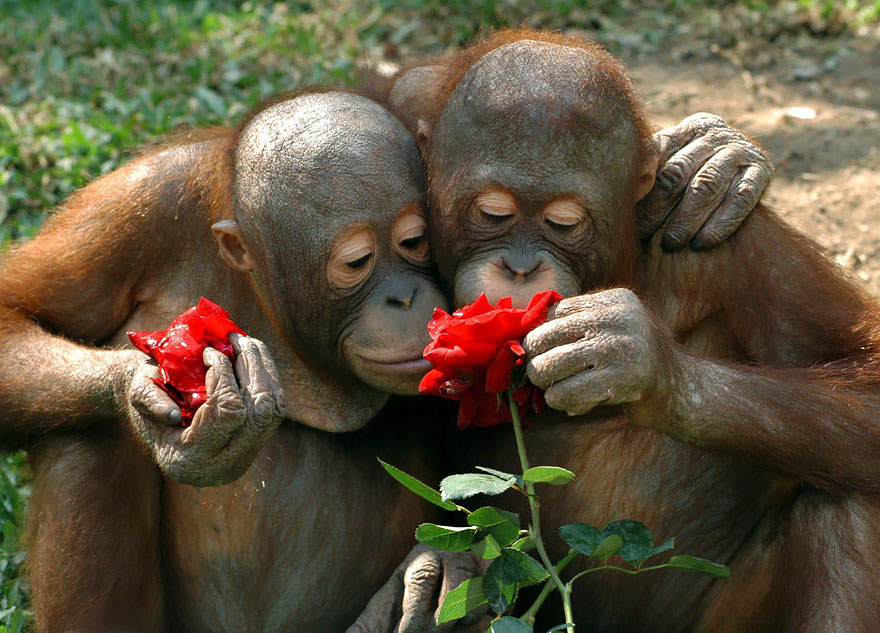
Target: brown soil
[[827, 179]]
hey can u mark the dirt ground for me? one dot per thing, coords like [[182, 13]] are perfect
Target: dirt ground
[[826, 150]]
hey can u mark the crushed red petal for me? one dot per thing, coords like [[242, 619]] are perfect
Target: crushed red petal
[[178, 351]]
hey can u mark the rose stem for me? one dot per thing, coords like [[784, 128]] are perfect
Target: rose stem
[[534, 507], [549, 586]]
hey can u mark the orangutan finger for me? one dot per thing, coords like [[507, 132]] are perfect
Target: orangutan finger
[[584, 356], [150, 400], [582, 392], [672, 178], [420, 582], [457, 568], [701, 198], [221, 384], [672, 139], [744, 195]]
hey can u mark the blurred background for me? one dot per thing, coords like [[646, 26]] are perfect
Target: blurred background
[[83, 83]]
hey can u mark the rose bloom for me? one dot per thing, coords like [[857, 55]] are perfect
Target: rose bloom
[[474, 352], [178, 351]]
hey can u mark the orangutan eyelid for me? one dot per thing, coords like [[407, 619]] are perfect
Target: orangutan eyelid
[[351, 258], [496, 203], [564, 212], [410, 233]]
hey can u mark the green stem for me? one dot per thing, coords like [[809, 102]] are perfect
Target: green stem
[[549, 586], [631, 572], [534, 506]]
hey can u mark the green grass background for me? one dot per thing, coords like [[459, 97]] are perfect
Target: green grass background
[[83, 83]]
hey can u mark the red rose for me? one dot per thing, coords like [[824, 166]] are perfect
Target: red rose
[[178, 350], [474, 352]]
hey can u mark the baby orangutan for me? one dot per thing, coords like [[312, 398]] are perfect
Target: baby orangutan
[[306, 222], [729, 399]]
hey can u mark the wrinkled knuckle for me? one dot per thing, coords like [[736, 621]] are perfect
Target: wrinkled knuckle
[[623, 298], [227, 400], [280, 402], [536, 339], [537, 374], [266, 408], [745, 194], [708, 181], [675, 236], [718, 137], [262, 348], [567, 305], [707, 120], [713, 236], [424, 574], [673, 172]]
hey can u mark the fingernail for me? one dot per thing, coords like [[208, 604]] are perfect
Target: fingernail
[[174, 417]]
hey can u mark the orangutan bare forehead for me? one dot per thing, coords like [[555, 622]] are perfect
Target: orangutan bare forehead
[[541, 80], [331, 139]]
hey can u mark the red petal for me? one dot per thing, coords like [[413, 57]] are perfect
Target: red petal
[[146, 341], [432, 381], [479, 306], [536, 312], [501, 367]]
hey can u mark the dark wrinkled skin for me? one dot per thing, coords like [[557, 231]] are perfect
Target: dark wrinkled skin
[[698, 406]]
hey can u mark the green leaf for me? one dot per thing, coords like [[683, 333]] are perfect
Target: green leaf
[[470, 484], [560, 627], [487, 549], [424, 491], [581, 537], [462, 600], [499, 586], [607, 548], [668, 545], [525, 544], [449, 539], [514, 569], [508, 624], [501, 524], [523, 567], [637, 540], [503, 475], [553, 475], [699, 566]]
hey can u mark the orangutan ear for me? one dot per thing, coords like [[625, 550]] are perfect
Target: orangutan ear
[[415, 92], [233, 250], [423, 133], [647, 174]]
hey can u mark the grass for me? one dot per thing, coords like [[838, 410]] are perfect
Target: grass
[[83, 83]]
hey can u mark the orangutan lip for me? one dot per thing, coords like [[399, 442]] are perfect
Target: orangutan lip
[[412, 366]]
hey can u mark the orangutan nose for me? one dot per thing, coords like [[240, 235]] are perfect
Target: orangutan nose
[[402, 297], [520, 265]]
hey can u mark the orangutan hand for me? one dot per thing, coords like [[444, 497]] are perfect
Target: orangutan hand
[[598, 349], [410, 600], [245, 405], [711, 176]]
